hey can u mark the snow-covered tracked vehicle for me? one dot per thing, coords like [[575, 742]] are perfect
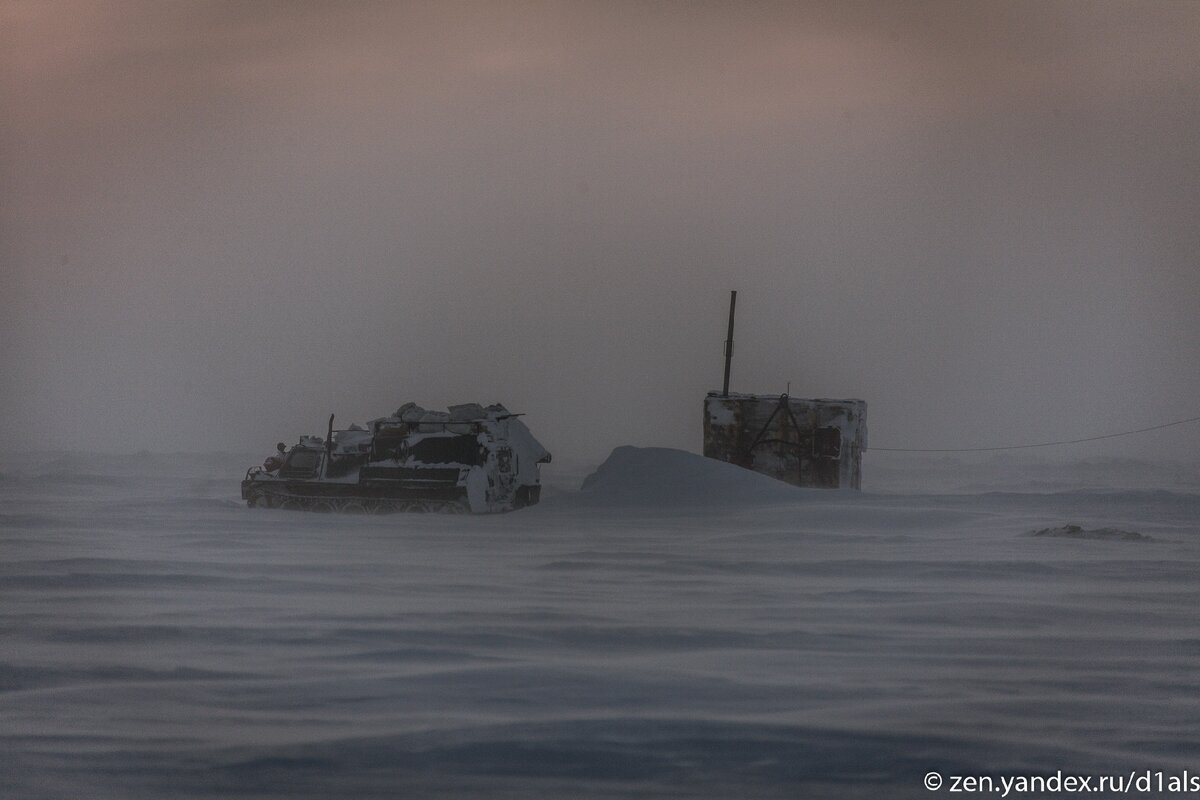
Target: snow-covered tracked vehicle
[[469, 459]]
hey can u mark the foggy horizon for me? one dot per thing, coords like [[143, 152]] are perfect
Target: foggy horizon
[[221, 222]]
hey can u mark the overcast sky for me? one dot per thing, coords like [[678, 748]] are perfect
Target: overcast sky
[[221, 221]]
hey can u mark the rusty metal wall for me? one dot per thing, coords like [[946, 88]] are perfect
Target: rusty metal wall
[[805, 442]]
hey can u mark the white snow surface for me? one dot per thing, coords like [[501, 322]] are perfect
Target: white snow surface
[[658, 477], [678, 628]]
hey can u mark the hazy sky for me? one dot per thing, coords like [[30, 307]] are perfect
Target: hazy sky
[[221, 221]]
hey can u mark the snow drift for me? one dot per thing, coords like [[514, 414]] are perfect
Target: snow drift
[[664, 477]]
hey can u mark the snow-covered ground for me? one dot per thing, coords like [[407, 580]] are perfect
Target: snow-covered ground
[[678, 627]]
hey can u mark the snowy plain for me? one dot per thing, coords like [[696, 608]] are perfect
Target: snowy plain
[[675, 628]]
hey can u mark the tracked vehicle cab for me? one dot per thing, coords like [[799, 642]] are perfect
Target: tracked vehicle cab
[[302, 462]]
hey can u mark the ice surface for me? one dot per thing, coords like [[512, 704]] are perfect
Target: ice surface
[[676, 629]]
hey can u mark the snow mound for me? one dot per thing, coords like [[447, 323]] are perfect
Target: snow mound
[[1077, 532], [660, 476]]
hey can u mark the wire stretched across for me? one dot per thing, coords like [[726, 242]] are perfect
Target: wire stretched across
[[1026, 446]]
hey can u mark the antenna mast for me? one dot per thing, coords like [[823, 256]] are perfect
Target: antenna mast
[[729, 344]]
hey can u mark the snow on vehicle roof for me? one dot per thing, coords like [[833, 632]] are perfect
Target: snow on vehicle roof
[[464, 412]]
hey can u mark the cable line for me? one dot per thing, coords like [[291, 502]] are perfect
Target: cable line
[[1026, 446]]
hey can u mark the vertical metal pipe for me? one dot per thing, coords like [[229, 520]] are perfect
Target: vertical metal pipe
[[329, 443], [729, 344]]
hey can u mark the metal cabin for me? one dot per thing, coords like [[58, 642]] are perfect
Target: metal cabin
[[817, 443], [806, 442]]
